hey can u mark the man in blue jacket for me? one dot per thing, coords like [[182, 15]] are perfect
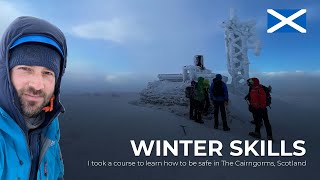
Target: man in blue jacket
[[220, 98], [32, 63]]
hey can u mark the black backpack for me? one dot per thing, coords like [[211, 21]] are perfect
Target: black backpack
[[268, 95], [218, 88], [190, 92]]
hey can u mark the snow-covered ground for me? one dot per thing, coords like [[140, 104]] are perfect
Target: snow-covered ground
[[99, 126]]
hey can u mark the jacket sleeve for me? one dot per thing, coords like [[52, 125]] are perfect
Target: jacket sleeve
[[225, 89], [211, 91], [248, 95]]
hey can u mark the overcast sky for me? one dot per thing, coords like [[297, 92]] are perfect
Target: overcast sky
[[123, 44]]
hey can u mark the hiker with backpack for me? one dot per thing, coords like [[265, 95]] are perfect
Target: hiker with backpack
[[267, 90], [190, 94], [199, 100], [259, 98], [220, 98]]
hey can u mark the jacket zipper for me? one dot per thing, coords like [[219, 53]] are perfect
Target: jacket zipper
[[46, 169], [44, 152]]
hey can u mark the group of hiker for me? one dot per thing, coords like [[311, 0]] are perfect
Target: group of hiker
[[202, 95]]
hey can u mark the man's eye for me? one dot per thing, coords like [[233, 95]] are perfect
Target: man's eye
[[48, 73]]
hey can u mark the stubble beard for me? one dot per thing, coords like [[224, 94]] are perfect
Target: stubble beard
[[30, 108]]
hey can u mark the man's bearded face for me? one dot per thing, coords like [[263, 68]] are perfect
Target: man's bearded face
[[35, 86]]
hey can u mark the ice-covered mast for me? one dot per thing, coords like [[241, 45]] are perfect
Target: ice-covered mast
[[239, 37]]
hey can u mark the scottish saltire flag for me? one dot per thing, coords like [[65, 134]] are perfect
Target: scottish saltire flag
[[287, 20]]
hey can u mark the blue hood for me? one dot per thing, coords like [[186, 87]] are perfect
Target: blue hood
[[19, 29]]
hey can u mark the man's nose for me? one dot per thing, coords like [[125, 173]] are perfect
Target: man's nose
[[36, 82]]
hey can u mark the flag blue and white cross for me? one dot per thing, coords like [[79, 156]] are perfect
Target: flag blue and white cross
[[287, 20]]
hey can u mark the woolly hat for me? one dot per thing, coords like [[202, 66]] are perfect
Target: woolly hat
[[218, 76], [36, 54]]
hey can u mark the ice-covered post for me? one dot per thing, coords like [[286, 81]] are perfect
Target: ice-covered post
[[239, 37]]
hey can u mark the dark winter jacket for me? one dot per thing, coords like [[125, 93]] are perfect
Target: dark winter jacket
[[225, 90]]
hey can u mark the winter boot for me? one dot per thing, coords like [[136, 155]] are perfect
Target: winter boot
[[200, 121], [226, 128]]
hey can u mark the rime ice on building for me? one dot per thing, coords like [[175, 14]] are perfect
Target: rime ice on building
[[239, 37], [191, 72], [169, 90]]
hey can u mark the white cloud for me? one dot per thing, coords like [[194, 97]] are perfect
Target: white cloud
[[91, 82], [9, 12], [275, 73], [119, 30], [284, 74], [121, 77], [111, 78]]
